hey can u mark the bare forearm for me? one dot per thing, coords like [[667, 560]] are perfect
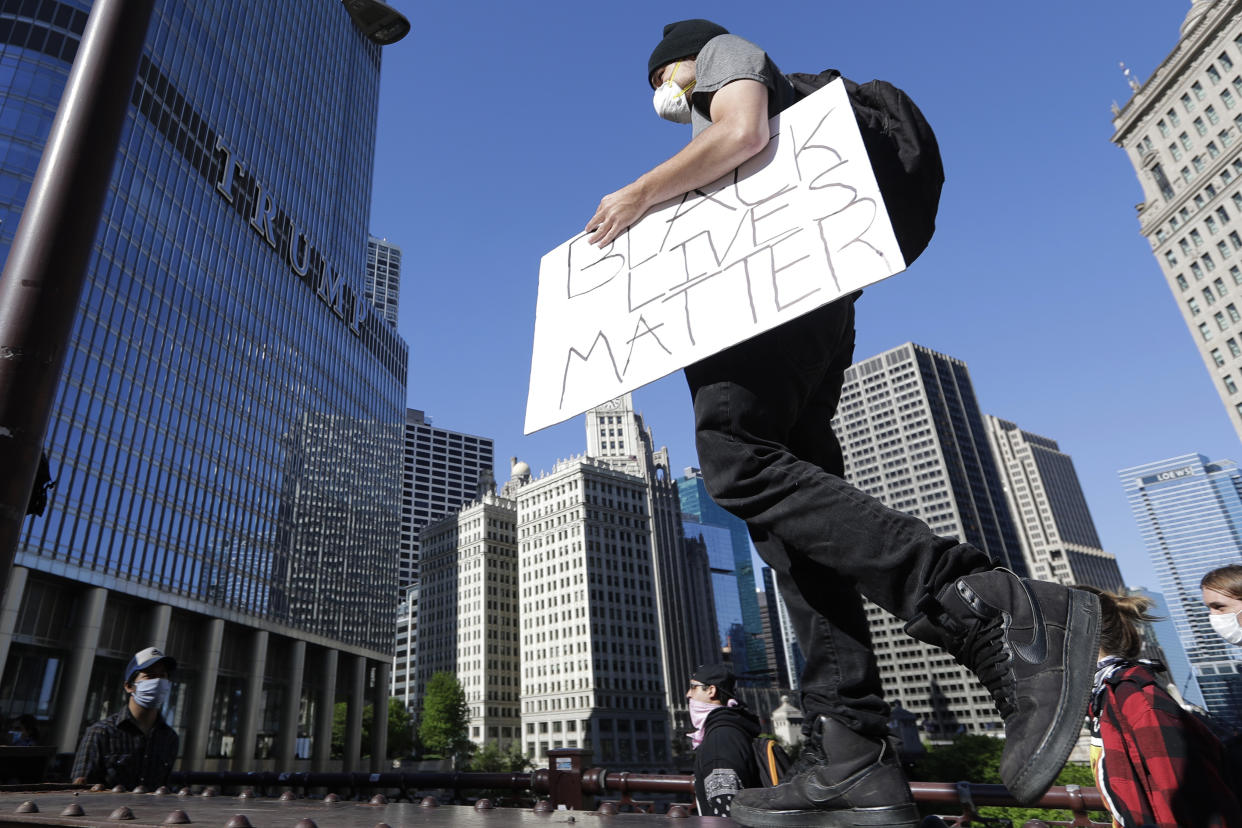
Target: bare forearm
[[739, 130]]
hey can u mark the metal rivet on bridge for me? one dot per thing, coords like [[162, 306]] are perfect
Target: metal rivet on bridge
[[288, 796], [97, 787], [139, 789], [122, 812], [430, 802], [608, 808], [305, 822], [28, 807], [73, 809], [331, 798], [677, 812], [543, 806], [177, 817], [162, 790], [482, 805], [209, 791], [247, 793], [382, 825], [379, 799], [119, 789], [238, 821], [183, 792]]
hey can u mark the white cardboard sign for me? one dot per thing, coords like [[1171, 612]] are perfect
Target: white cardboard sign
[[795, 227]]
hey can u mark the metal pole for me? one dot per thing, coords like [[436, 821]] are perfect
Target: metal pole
[[46, 268]]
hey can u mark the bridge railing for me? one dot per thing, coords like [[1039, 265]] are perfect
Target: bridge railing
[[568, 783]]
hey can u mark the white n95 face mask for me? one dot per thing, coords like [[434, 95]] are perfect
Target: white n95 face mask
[[153, 692], [1227, 627], [672, 103]]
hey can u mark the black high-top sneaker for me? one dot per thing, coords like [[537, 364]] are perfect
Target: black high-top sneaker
[[858, 782], [1034, 645]]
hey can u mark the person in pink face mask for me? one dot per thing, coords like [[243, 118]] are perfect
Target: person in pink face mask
[[1222, 594], [724, 760]]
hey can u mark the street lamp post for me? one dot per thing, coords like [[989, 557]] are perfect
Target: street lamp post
[[46, 268]]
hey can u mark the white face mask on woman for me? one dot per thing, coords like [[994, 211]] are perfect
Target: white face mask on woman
[[152, 692], [672, 103], [1227, 626]]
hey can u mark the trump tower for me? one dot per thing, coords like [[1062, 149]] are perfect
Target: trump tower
[[227, 431]]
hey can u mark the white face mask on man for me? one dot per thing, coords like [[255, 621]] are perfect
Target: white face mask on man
[[672, 103], [152, 692], [1227, 626]]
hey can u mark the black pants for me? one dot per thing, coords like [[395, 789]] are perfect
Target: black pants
[[768, 455]]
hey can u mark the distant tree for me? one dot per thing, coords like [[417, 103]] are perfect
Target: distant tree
[[339, 713], [400, 729], [491, 759], [443, 726], [973, 757]]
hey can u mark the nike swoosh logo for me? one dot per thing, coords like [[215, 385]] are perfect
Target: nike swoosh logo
[[1035, 650]]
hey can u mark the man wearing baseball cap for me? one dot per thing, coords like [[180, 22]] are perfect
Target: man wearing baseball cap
[[133, 746], [724, 761]]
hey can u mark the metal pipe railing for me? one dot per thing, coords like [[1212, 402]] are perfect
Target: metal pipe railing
[[574, 787]]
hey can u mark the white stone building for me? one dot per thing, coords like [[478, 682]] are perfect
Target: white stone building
[[590, 636], [617, 437], [1182, 130], [468, 614]]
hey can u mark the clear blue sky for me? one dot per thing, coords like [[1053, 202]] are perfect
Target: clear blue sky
[[502, 124]]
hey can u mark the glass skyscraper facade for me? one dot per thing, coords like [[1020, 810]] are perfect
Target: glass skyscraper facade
[[733, 577], [227, 434], [1189, 511]]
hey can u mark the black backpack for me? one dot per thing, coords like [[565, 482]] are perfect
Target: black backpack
[[903, 151], [772, 759]]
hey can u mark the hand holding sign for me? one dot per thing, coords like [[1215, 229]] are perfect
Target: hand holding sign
[[798, 225]]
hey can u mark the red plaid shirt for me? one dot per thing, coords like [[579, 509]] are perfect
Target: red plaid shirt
[[1154, 762]]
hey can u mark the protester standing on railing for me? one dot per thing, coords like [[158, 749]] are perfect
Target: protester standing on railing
[[761, 416], [1154, 761], [1222, 594], [724, 759]]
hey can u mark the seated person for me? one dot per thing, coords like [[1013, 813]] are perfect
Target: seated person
[[133, 746]]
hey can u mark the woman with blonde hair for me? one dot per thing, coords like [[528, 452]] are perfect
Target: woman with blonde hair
[[1222, 594], [1155, 763]]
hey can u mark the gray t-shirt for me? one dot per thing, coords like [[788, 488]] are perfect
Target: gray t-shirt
[[727, 58]]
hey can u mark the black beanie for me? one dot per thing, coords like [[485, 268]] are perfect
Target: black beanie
[[682, 39]]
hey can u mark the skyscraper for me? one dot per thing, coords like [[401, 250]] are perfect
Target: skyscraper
[[1182, 131], [592, 674], [618, 438], [1172, 653], [913, 437], [228, 405], [468, 614], [442, 470], [383, 278], [1189, 510], [733, 577], [788, 654], [1058, 536]]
